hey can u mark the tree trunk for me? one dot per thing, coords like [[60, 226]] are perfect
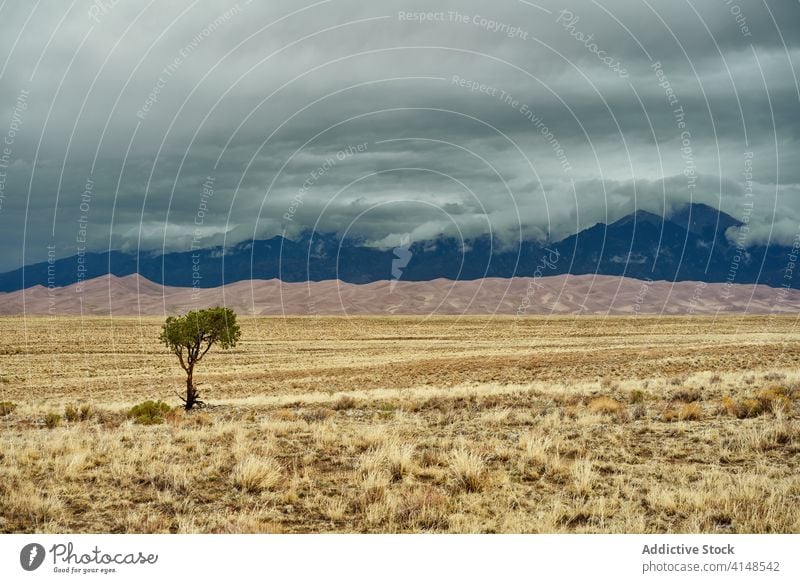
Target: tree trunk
[[191, 392]]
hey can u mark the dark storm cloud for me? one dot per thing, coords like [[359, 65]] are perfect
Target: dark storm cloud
[[160, 125]]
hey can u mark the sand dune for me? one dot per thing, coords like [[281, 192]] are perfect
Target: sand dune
[[565, 294]]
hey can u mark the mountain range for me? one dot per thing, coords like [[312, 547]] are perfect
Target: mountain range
[[691, 244]]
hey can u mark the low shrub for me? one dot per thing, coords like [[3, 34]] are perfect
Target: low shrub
[[744, 408], [52, 420], [202, 420], [148, 413], [774, 392], [690, 412], [636, 396], [685, 412], [315, 415], [608, 383], [71, 413], [386, 410], [110, 419], [344, 403], [775, 399], [687, 395], [774, 376], [74, 413], [179, 417], [606, 406], [6, 407]]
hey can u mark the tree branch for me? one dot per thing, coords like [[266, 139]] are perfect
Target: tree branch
[[210, 343], [179, 353]]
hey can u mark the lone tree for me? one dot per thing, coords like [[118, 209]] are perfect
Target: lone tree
[[192, 335]]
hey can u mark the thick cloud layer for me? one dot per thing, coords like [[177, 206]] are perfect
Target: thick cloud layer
[[166, 125]]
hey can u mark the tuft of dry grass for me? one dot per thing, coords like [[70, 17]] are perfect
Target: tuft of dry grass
[[399, 458], [374, 484], [744, 408], [468, 470], [687, 395], [606, 406], [344, 403], [336, 509], [637, 396], [6, 407], [583, 476], [423, 509], [537, 449], [392, 456], [75, 413], [686, 412], [28, 506], [691, 412], [256, 474], [777, 398]]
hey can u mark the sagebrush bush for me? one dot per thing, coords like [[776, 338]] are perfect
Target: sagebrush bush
[[148, 413], [6, 407]]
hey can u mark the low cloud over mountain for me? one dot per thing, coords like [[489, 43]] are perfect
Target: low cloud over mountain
[[694, 243]]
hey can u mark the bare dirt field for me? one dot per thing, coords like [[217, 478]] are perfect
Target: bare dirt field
[[406, 424]]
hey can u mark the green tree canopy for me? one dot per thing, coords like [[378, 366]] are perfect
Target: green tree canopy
[[192, 335]]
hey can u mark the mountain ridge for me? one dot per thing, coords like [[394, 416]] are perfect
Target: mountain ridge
[[690, 244]]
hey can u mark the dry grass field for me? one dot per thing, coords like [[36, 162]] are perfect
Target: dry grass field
[[406, 424]]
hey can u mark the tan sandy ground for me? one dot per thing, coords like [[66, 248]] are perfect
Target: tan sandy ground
[[403, 424], [133, 295]]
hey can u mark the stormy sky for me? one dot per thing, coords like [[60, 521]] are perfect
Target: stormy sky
[[161, 125]]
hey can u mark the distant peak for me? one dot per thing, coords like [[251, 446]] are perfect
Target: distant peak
[[640, 216], [702, 219]]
